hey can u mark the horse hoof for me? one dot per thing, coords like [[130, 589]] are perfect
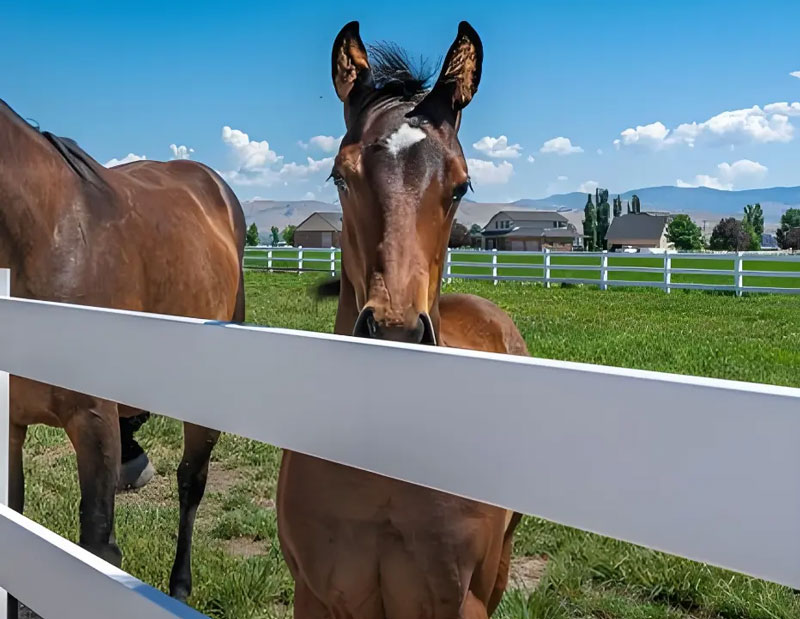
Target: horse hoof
[[180, 593], [135, 473]]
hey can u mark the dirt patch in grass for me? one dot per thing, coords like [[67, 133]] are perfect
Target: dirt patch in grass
[[160, 492], [222, 480], [526, 572], [245, 547]]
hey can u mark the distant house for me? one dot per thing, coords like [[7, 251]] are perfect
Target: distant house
[[639, 230], [768, 241], [319, 230], [529, 231]]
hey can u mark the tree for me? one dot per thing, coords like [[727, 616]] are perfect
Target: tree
[[475, 230], [729, 235], [288, 234], [590, 224], [684, 233], [636, 206], [754, 216], [617, 206], [792, 239], [251, 238], [459, 235], [790, 219], [753, 222], [275, 235], [603, 216]]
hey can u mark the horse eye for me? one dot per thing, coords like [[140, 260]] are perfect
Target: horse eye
[[460, 191], [338, 180]]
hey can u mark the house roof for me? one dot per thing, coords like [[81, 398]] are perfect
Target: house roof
[[768, 241], [532, 215], [639, 226], [321, 221], [533, 231]]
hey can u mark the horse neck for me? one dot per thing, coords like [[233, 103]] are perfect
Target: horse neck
[[33, 182]]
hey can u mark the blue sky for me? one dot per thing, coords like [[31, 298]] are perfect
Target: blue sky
[[674, 82]]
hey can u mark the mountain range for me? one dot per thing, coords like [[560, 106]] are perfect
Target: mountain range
[[706, 206]]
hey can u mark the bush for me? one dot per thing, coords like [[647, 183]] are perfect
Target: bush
[[730, 235]]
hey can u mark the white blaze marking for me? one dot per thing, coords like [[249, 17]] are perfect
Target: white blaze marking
[[404, 137]]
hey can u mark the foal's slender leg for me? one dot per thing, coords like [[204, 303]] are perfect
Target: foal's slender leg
[[16, 488], [94, 432], [192, 476]]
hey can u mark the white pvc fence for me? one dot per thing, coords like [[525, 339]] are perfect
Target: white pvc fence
[[601, 269], [702, 468]]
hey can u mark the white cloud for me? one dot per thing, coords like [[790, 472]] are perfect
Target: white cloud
[[652, 135], [787, 109], [599, 151], [249, 154], [795, 74], [324, 143], [531, 159], [258, 165], [126, 159], [729, 175], [560, 146], [497, 148], [309, 196], [181, 152], [489, 172], [563, 178], [755, 124], [588, 186]]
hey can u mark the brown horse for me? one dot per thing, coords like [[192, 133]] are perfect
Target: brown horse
[[359, 544], [156, 237]]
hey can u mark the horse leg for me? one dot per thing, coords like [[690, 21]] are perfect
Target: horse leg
[[94, 432], [192, 475], [136, 470], [306, 604], [473, 608], [16, 489], [505, 564]]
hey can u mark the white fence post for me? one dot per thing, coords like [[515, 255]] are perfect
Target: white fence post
[[5, 291], [604, 270], [269, 260], [546, 267], [494, 266], [300, 259], [449, 266], [667, 272], [333, 261], [737, 273]]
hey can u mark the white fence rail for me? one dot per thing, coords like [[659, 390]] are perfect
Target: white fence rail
[[740, 272], [702, 468]]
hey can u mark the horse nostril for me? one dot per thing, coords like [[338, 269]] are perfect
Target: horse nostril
[[372, 326], [428, 335], [365, 324]]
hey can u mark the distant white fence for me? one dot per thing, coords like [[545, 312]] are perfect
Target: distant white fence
[[741, 272], [702, 468]]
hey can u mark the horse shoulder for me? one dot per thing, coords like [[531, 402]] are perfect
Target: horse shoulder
[[475, 323]]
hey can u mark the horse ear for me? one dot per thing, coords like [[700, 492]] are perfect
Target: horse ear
[[349, 63], [460, 76]]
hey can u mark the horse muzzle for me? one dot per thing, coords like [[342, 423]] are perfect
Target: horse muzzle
[[419, 332]]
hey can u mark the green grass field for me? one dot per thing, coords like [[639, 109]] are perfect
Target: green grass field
[[558, 572], [481, 264]]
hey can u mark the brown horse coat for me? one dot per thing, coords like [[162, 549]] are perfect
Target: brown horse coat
[[147, 236], [360, 545]]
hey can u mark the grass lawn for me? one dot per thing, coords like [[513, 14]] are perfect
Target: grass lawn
[[558, 572]]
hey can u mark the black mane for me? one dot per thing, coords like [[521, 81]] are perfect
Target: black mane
[[395, 74]]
